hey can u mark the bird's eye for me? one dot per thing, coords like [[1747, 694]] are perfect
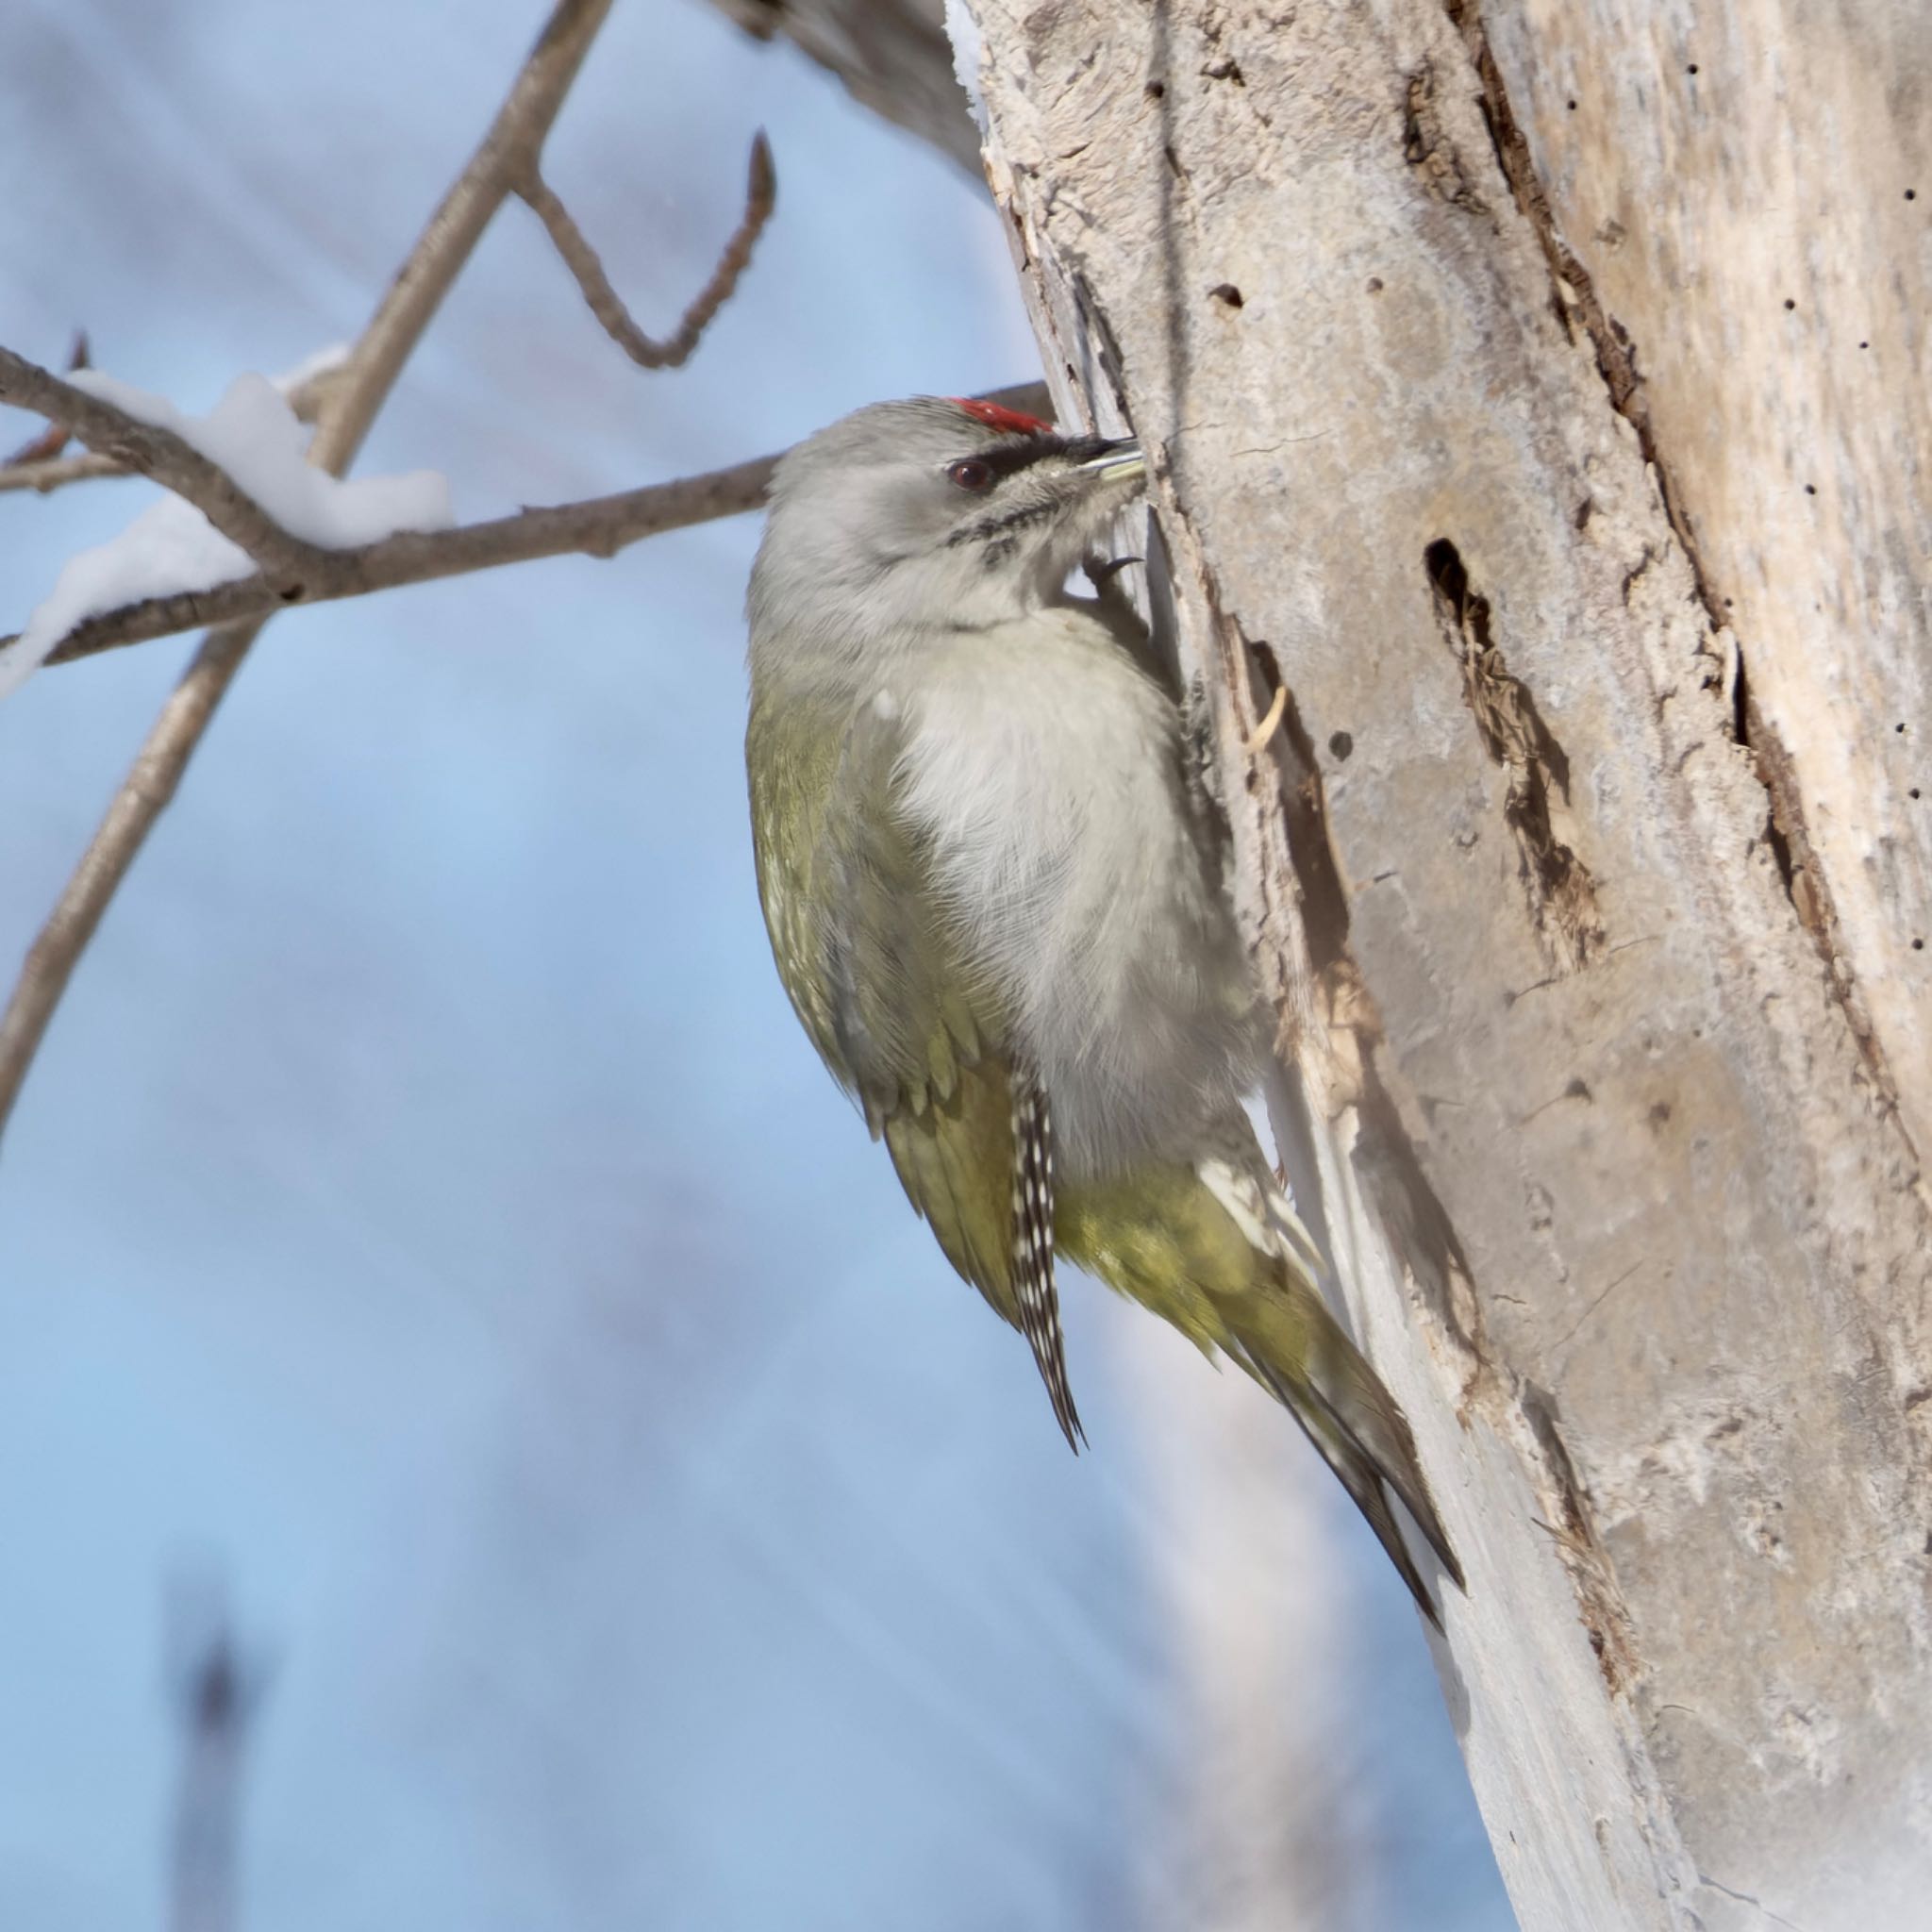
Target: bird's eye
[[968, 473]]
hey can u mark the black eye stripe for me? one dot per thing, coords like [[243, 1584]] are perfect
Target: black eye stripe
[[1008, 459]]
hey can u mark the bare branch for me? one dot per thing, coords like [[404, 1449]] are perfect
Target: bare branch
[[513, 142], [760, 197], [43, 473], [155, 452], [597, 526]]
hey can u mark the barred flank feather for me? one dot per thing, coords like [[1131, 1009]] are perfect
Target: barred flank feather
[[1033, 1284]]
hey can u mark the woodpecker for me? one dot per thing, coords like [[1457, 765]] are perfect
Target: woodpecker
[[993, 892]]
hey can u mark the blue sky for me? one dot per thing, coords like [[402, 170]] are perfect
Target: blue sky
[[425, 1210]]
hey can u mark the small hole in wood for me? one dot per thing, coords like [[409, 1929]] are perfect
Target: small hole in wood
[[1911, 194], [1810, 489], [1227, 292], [1864, 345], [1918, 945], [1155, 89], [1692, 69], [1374, 285], [1572, 106], [1913, 793], [1341, 745], [1789, 302]]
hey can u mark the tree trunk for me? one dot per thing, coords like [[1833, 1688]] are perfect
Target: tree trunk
[[1540, 400]]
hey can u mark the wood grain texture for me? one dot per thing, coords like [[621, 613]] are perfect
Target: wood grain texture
[[1749, 190], [1607, 1151]]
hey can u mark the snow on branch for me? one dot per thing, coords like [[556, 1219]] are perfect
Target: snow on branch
[[247, 503], [596, 526], [149, 436], [40, 465]]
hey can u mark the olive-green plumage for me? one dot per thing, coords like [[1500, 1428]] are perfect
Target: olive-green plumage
[[992, 890], [1162, 1237], [889, 1001], [885, 997]]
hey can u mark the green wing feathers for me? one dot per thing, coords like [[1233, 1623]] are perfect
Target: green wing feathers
[[863, 951], [867, 958], [1163, 1238]]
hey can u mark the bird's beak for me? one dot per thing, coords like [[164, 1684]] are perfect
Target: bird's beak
[[1119, 461]]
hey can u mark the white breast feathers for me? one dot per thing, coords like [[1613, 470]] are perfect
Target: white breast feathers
[[1046, 768]]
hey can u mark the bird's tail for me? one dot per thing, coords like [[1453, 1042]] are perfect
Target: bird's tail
[[1284, 1337], [1219, 1255]]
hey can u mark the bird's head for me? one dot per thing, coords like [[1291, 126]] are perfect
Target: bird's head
[[929, 515]]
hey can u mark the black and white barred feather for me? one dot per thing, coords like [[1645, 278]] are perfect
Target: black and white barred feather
[[1033, 1285]]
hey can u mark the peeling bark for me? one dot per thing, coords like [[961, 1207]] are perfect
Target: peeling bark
[[1583, 872]]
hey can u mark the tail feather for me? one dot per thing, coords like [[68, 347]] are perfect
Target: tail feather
[[1362, 1438], [1362, 1477], [1365, 1414], [1206, 1249]]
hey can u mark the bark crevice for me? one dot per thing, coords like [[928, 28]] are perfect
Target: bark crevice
[[1558, 885], [1578, 303]]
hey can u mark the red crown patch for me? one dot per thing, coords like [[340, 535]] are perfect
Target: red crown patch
[[1013, 421]]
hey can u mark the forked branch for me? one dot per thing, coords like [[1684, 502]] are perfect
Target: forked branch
[[157, 452], [40, 466], [760, 197], [48, 444]]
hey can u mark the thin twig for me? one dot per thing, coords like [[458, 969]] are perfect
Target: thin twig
[[760, 197], [155, 452], [510, 147], [54, 438], [597, 526], [50, 473], [218, 1688]]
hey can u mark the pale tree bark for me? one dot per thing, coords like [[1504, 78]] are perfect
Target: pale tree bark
[[1539, 451]]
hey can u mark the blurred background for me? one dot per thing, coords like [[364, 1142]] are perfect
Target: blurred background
[[482, 1442]]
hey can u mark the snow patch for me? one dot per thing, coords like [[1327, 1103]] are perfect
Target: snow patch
[[963, 31], [253, 434], [322, 363], [170, 546]]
